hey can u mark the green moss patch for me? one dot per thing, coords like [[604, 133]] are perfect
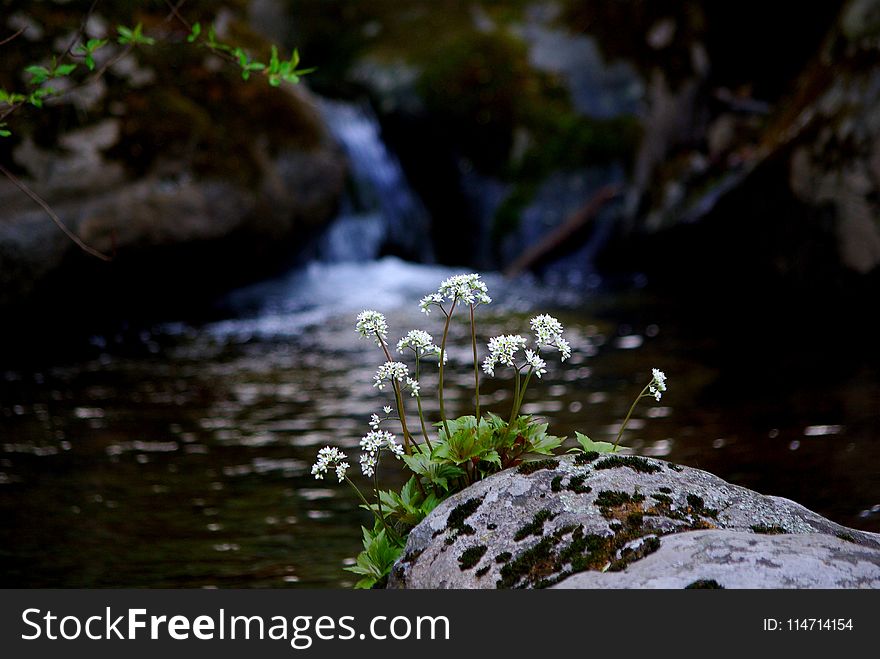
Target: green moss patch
[[535, 527], [471, 556], [576, 484], [586, 457], [630, 461], [537, 465], [766, 529], [704, 584]]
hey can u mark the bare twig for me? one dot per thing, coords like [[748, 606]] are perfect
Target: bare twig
[[57, 220], [12, 36]]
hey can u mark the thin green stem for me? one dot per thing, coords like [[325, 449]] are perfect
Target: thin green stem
[[513, 406], [419, 404], [381, 518], [476, 365], [628, 415], [522, 394], [401, 412], [442, 369]]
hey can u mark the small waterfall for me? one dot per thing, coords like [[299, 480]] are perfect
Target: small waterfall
[[382, 213]]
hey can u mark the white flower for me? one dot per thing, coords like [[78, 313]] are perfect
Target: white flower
[[329, 457], [377, 440], [430, 300], [373, 443], [502, 350], [548, 333], [420, 342], [538, 365], [375, 421], [368, 464], [413, 386], [658, 383], [469, 289], [387, 409], [390, 372], [372, 324]]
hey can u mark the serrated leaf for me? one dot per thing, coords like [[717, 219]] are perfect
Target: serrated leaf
[[588, 445]]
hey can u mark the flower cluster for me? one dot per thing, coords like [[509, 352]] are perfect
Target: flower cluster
[[330, 458], [538, 365], [421, 343], [372, 324], [548, 333], [372, 444], [430, 300], [502, 350], [469, 289], [414, 387], [390, 372], [658, 383]]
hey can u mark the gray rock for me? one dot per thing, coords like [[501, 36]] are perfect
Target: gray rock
[[298, 192], [738, 559], [536, 525]]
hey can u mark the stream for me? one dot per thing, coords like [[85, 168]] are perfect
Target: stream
[[179, 455]]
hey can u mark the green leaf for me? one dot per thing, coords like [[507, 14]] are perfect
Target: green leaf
[[377, 558], [134, 36], [196, 31], [588, 445], [434, 471], [63, 70], [11, 98], [3, 131], [125, 34], [39, 74]]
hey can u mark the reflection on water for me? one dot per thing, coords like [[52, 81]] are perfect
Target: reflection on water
[[181, 458]]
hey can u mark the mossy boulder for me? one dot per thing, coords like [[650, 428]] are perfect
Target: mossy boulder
[[592, 514]]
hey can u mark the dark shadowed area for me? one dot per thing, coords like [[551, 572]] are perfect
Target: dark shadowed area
[[691, 186]]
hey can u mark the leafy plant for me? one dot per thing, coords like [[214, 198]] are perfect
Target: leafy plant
[[587, 445], [376, 560], [277, 70], [460, 451]]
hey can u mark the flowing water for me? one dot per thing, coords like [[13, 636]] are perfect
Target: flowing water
[[180, 456]]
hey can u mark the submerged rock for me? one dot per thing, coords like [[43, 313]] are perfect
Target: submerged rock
[[539, 524]]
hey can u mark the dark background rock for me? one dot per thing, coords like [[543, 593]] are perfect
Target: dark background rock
[[177, 175]]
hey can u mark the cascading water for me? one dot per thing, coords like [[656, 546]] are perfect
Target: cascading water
[[382, 213]]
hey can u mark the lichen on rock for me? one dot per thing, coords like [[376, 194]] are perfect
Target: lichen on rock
[[535, 530]]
